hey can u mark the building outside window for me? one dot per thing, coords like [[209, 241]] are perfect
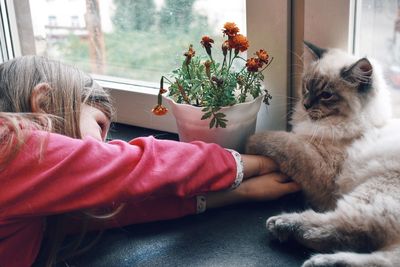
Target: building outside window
[[52, 21], [75, 22]]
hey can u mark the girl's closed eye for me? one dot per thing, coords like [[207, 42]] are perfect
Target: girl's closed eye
[[93, 122]]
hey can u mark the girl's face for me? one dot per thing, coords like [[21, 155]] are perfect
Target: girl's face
[[93, 123]]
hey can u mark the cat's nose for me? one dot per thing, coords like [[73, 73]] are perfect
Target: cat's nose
[[307, 104]]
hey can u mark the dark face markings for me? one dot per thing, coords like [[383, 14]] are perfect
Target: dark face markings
[[320, 99]]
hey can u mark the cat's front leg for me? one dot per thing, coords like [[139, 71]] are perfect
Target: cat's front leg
[[291, 153], [301, 161], [272, 144]]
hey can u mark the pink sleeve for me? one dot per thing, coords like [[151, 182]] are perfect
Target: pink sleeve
[[73, 174], [149, 210]]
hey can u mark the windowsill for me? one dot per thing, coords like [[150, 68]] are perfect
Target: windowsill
[[128, 132], [212, 236]]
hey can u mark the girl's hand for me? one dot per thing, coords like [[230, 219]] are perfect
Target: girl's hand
[[262, 181], [254, 165], [266, 187]]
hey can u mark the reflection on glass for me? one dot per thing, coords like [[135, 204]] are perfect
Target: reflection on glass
[[134, 39], [379, 37]]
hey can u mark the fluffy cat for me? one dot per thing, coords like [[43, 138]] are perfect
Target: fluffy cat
[[344, 150]]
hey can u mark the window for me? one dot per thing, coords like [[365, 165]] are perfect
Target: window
[[378, 36], [129, 58], [134, 39]]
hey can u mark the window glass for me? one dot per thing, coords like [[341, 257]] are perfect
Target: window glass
[[134, 39], [379, 37]]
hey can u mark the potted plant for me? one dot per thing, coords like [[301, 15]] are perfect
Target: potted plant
[[217, 101]]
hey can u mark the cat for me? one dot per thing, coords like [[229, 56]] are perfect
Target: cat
[[344, 150]]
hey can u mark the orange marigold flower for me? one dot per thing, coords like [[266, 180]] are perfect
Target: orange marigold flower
[[253, 64], [189, 54], [263, 55], [239, 43], [159, 110], [230, 29], [206, 41]]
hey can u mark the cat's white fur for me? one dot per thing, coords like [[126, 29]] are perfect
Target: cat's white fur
[[377, 152]]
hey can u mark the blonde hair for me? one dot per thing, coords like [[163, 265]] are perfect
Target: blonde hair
[[66, 88]]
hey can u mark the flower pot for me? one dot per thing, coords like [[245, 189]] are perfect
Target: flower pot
[[241, 124]]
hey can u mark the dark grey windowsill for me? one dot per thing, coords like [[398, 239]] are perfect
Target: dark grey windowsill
[[128, 132], [229, 236]]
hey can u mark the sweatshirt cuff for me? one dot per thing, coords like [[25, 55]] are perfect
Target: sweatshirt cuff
[[239, 168], [201, 203]]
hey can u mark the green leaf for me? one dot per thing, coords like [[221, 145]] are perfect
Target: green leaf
[[212, 122], [222, 124], [220, 115], [206, 115]]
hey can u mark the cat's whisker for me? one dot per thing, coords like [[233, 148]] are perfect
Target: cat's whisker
[[298, 56], [333, 134], [322, 136], [315, 132]]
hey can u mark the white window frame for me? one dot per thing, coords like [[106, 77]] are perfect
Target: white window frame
[[330, 23], [276, 26], [326, 23], [9, 42]]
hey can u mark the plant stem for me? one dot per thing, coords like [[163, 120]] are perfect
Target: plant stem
[[266, 66]]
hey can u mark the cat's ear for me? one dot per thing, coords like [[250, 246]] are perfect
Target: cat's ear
[[359, 73], [316, 52]]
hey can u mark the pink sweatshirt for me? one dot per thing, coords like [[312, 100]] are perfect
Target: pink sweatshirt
[[157, 179]]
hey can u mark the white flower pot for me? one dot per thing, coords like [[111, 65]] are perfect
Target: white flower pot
[[241, 124]]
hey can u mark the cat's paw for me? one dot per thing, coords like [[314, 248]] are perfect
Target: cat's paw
[[319, 260], [281, 227], [265, 143]]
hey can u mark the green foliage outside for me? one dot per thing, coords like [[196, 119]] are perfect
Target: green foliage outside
[[143, 45]]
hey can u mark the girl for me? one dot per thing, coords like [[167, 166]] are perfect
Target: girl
[[53, 164]]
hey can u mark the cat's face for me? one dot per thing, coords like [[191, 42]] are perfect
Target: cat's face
[[335, 85]]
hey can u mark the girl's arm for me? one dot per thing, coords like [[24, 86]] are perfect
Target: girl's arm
[[261, 183], [72, 174]]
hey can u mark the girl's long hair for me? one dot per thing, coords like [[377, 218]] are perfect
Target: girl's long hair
[[65, 89]]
